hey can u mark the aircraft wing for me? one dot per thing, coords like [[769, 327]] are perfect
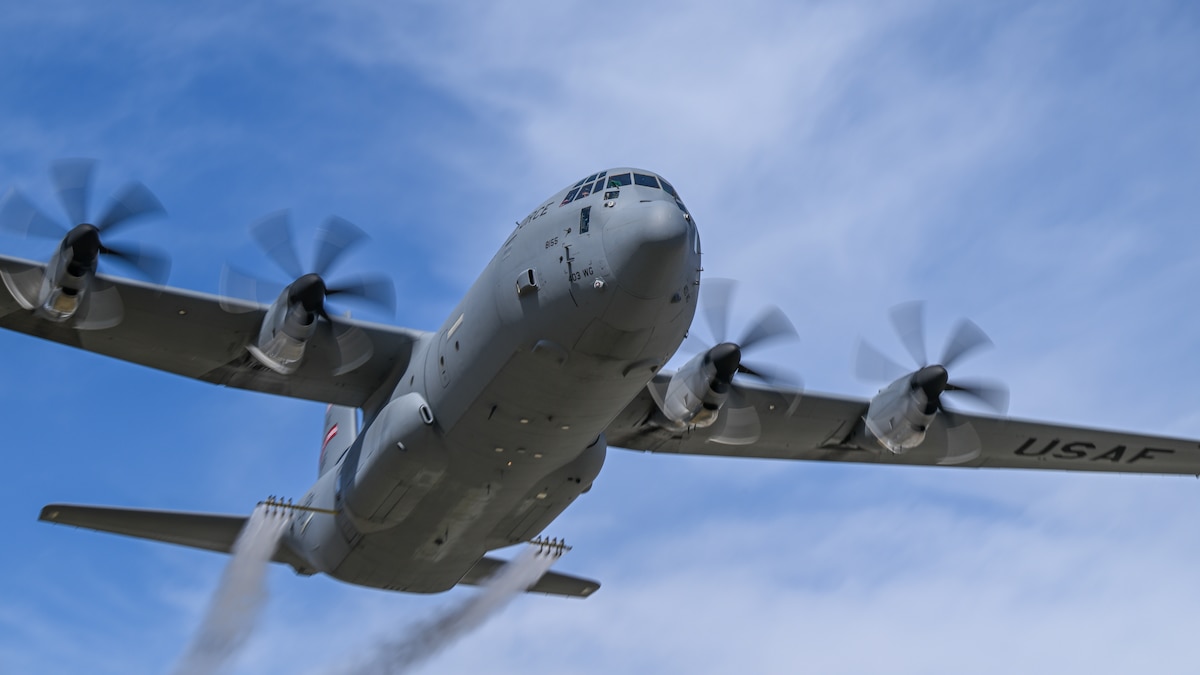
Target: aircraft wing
[[188, 333], [819, 426]]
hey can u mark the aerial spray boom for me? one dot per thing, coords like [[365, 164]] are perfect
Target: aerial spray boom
[[277, 505], [550, 547]]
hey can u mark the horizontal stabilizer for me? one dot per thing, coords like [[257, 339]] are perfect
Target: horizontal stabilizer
[[551, 583], [212, 532]]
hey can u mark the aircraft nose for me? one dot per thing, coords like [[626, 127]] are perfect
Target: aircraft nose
[[647, 247]]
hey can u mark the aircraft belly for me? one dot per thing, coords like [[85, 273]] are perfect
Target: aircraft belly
[[522, 380], [407, 558]]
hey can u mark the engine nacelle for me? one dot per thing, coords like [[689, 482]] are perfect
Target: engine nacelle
[[56, 294], [693, 397], [392, 465], [64, 287], [898, 417], [285, 332]]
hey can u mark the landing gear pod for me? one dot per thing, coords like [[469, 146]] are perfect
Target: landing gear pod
[[393, 465]]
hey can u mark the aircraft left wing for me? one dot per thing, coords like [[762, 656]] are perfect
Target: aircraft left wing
[[821, 426], [188, 333]]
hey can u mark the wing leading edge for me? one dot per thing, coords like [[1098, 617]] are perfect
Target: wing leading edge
[[819, 426], [188, 333]]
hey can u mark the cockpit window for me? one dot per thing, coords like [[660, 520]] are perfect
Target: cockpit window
[[580, 190], [644, 180], [620, 180], [597, 183]]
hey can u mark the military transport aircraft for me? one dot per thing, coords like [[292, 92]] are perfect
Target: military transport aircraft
[[478, 435]]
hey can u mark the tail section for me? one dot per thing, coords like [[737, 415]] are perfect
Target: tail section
[[218, 532], [210, 531], [341, 428]]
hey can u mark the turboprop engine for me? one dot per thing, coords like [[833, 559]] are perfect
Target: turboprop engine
[[902, 413], [697, 391], [298, 312], [68, 289], [702, 393], [289, 324]]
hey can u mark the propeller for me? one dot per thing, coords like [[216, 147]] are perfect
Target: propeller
[[908, 320], [72, 180], [310, 289], [738, 422]]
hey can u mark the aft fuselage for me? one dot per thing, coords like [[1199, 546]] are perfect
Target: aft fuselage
[[497, 425]]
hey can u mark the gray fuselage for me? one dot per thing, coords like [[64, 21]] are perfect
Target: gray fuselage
[[497, 425]]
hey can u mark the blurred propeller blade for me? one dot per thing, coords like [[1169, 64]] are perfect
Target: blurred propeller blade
[[738, 423], [377, 290], [658, 392], [73, 181], [273, 234], [354, 347], [333, 239], [994, 395], [771, 375], [772, 324], [715, 295], [19, 216], [101, 308], [872, 365], [132, 202], [966, 338], [962, 441], [154, 265], [239, 285], [909, 321]]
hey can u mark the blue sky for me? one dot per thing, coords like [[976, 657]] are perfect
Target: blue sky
[[1031, 165]]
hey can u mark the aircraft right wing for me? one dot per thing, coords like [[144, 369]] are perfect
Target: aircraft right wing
[[190, 334], [819, 427]]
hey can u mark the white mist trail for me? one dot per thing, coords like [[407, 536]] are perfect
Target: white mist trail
[[239, 598], [425, 639]]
